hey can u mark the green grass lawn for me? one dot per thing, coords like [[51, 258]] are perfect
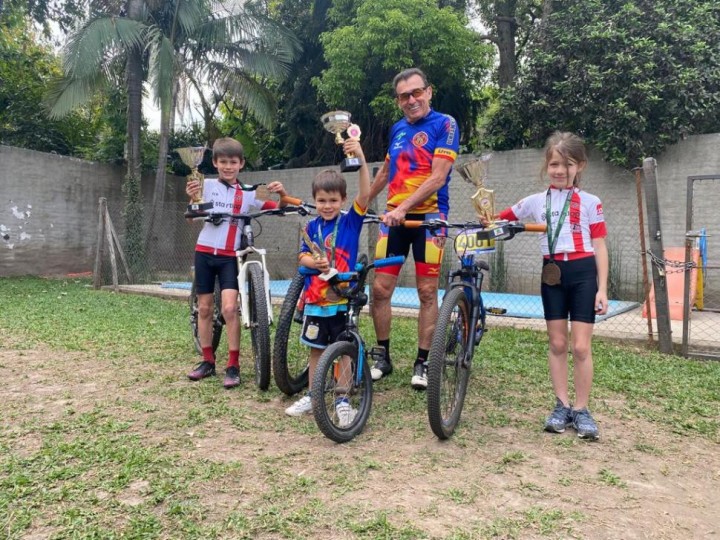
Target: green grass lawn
[[69, 473]]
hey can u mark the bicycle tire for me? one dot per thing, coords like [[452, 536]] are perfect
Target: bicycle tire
[[218, 321], [326, 392], [259, 326], [447, 377], [290, 357]]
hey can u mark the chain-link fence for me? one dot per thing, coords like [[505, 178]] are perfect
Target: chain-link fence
[[701, 289], [513, 283]]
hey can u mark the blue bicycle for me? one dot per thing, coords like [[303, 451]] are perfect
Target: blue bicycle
[[461, 320], [341, 388]]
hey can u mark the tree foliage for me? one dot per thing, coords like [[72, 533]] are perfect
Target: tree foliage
[[26, 69], [383, 39], [64, 13], [631, 76], [509, 25]]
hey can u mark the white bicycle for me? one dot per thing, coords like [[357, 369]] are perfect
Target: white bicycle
[[254, 305]]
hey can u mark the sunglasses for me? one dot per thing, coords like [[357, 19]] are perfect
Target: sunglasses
[[417, 93]]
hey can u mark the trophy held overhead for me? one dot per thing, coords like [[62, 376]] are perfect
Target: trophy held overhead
[[336, 122]]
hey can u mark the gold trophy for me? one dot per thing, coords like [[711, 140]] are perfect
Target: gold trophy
[[336, 122], [475, 172], [192, 156], [317, 253]]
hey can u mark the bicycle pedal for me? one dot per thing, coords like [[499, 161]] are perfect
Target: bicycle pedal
[[377, 353]]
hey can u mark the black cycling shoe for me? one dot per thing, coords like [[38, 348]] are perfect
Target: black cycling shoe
[[232, 377], [419, 378], [202, 370], [382, 368]]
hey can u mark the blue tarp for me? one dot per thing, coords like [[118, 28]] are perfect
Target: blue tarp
[[517, 305]]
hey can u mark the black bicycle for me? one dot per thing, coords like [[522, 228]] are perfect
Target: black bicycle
[[460, 324], [342, 385], [290, 357], [254, 305]]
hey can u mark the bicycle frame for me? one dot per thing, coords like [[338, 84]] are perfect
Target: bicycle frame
[[243, 265], [470, 277]]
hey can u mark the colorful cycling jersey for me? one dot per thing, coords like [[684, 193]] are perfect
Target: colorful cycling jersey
[[409, 159], [584, 221], [224, 239], [343, 238]]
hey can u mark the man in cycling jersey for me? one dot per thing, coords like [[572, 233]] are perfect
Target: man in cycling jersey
[[423, 147]]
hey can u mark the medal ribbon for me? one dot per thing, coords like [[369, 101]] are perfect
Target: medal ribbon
[[552, 240], [332, 244]]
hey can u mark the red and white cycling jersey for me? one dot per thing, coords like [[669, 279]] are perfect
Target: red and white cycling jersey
[[224, 239], [583, 223]]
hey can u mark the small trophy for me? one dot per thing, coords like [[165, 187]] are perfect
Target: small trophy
[[336, 122], [317, 253], [192, 156], [475, 172]]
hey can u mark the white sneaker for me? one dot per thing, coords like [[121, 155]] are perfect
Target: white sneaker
[[300, 407], [345, 413]]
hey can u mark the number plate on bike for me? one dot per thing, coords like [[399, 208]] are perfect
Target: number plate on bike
[[474, 242]]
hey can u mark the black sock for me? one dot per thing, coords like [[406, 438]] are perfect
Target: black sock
[[385, 343], [422, 356]]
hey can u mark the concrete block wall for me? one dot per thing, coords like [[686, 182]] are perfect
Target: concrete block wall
[[48, 208]]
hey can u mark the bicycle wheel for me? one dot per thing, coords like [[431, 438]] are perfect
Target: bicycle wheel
[[217, 319], [341, 400], [259, 326], [447, 377], [290, 357]]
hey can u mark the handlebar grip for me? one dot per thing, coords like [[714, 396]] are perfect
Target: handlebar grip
[[305, 271], [287, 199], [390, 261], [412, 224], [535, 227]]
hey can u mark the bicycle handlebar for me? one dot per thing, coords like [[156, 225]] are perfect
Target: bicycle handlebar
[[217, 217], [497, 230], [349, 276]]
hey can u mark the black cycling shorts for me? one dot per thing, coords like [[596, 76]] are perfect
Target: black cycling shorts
[[207, 266], [575, 296]]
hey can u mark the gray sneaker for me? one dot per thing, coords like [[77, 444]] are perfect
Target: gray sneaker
[[559, 419], [584, 424]]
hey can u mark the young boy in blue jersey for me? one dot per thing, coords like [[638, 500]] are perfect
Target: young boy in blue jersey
[[338, 236]]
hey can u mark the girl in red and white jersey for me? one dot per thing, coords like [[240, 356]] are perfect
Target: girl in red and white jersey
[[574, 276]]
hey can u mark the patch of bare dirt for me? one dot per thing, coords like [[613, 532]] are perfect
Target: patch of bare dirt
[[641, 481]]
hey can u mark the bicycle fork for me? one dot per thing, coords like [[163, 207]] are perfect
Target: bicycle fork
[[243, 270]]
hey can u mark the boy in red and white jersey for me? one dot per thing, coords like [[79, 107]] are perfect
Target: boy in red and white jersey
[[215, 254]]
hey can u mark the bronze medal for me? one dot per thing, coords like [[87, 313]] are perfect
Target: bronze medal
[[551, 274]]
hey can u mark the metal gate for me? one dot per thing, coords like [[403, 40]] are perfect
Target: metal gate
[[701, 318]]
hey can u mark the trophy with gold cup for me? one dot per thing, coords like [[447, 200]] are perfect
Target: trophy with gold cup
[[192, 156], [336, 122], [475, 172]]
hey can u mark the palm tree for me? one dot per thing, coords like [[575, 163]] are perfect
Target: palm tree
[[169, 43]]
